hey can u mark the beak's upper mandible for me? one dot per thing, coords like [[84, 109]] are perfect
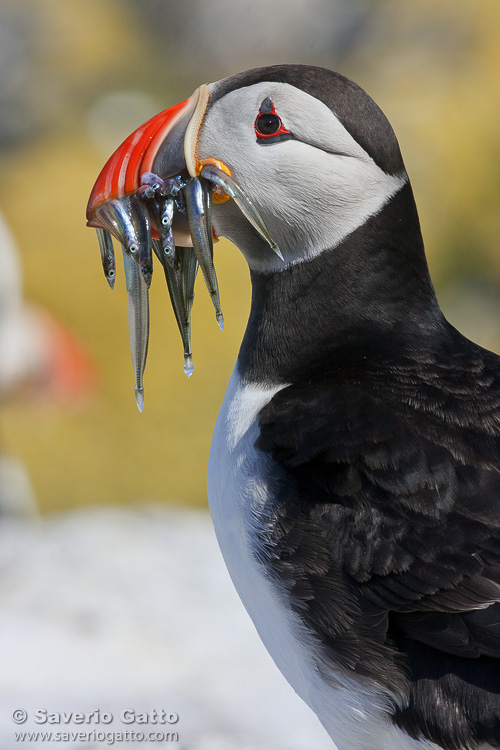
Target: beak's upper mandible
[[166, 145]]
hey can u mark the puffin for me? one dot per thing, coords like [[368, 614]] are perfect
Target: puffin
[[354, 471]]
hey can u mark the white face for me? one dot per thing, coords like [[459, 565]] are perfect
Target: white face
[[311, 191]]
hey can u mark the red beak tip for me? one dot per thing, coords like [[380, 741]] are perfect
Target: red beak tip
[[121, 175]]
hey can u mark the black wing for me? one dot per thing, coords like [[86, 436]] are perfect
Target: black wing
[[387, 522]]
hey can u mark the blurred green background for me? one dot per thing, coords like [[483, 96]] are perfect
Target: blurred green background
[[77, 76]]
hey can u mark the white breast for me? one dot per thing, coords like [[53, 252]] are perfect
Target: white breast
[[239, 480]]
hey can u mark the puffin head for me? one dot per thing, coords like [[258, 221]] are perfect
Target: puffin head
[[311, 149], [307, 147], [285, 161]]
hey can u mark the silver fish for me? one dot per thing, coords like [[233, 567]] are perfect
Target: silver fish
[[118, 217], [143, 228], [107, 255], [127, 219], [189, 265], [165, 219], [158, 204], [159, 195], [174, 279], [217, 176], [197, 197], [138, 322]]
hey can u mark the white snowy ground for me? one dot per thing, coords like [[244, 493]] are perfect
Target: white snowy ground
[[116, 609]]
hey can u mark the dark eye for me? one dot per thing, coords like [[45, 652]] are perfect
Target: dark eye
[[267, 124]]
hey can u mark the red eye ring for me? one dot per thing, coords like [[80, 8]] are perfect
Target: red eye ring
[[268, 125]]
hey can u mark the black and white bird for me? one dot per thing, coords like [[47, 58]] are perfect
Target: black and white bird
[[353, 477]]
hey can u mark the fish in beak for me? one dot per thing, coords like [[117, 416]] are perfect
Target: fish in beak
[[155, 197]]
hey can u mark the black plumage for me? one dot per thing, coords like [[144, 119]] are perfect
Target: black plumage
[[384, 527]]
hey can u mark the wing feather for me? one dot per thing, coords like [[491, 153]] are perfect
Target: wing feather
[[393, 471]]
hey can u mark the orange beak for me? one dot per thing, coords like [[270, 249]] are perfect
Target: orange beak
[[176, 128]]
